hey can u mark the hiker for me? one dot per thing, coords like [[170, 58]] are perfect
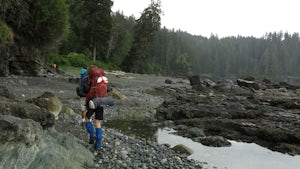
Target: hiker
[[98, 88], [82, 92], [54, 66]]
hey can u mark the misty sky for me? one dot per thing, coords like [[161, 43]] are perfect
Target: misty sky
[[222, 17]]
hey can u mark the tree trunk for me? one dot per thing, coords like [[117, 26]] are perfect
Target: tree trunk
[[94, 53], [109, 47]]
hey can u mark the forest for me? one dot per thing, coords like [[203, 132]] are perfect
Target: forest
[[79, 33]]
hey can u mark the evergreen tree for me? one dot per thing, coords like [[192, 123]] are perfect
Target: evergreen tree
[[144, 32], [121, 37], [39, 23], [98, 27]]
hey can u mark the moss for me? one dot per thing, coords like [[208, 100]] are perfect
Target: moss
[[6, 35]]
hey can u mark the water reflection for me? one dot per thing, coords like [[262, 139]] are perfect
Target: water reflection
[[138, 129], [238, 156]]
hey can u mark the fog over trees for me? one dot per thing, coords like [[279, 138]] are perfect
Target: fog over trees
[[80, 32]]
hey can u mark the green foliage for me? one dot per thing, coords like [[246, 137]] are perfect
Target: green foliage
[[39, 23], [48, 22], [122, 37], [91, 25], [144, 33], [140, 45], [6, 35], [78, 60], [16, 12], [58, 59], [98, 26], [275, 55], [104, 65]]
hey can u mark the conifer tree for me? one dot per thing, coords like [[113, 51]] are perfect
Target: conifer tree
[[98, 29], [144, 32]]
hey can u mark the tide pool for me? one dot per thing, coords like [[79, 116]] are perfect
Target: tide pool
[[239, 155]]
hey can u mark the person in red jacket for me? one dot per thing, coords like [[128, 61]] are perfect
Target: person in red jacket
[[98, 88]]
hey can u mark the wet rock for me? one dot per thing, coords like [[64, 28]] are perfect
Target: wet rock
[[182, 149], [224, 85], [215, 141], [4, 92], [194, 80], [168, 81], [26, 110], [282, 89], [14, 129], [199, 87], [52, 150], [209, 83], [248, 78], [237, 113], [194, 132], [49, 101], [116, 94], [247, 84]]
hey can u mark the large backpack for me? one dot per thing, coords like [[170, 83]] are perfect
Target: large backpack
[[98, 83], [84, 85]]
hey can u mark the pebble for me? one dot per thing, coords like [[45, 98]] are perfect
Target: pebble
[[120, 152]]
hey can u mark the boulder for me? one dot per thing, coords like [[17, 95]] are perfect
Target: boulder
[[247, 84], [168, 81], [4, 92], [182, 149], [114, 93], [195, 132], [194, 80], [224, 85], [14, 129], [215, 141], [48, 101], [50, 149], [10, 106]]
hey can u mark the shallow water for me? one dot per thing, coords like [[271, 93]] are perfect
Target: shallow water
[[238, 156]]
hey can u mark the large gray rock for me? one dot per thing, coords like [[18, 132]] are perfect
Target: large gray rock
[[4, 92], [194, 80], [247, 84], [10, 106], [27, 110], [48, 150], [215, 141], [48, 101], [14, 129], [183, 149]]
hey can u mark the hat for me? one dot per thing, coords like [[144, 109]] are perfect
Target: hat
[[82, 71]]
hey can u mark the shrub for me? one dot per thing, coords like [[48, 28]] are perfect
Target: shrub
[[6, 35], [78, 60], [58, 59]]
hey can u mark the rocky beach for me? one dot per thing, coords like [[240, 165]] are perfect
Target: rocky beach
[[35, 134], [33, 137]]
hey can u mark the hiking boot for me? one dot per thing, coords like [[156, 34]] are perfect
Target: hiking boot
[[92, 140], [90, 130], [98, 138], [92, 104]]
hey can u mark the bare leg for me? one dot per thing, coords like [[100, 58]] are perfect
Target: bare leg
[[98, 123]]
